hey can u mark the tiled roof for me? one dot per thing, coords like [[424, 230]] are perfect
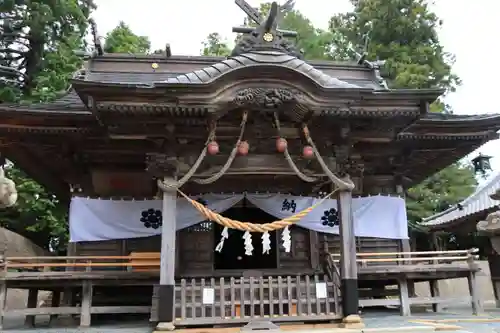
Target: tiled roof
[[140, 78], [258, 59], [479, 201]]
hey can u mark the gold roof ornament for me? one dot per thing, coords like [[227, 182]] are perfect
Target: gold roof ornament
[[268, 37]]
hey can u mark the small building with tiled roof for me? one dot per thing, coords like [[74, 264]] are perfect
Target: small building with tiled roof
[[464, 216]]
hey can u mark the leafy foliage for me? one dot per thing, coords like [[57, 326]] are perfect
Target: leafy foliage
[[37, 43], [37, 215], [215, 46], [440, 191], [404, 33], [122, 40]]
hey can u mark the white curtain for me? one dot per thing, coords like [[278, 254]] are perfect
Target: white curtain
[[96, 219], [375, 216]]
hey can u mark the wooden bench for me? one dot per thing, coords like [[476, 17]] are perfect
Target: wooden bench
[[143, 259]]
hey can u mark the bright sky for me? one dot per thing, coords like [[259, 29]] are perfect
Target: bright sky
[[468, 32]]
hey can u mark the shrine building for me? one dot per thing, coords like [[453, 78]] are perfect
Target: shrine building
[[224, 190]]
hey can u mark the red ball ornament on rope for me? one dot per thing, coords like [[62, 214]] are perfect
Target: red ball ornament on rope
[[308, 152], [281, 144], [243, 148], [213, 148]]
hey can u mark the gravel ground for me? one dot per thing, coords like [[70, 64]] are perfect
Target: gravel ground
[[372, 319]]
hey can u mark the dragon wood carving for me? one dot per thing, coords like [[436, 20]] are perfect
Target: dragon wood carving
[[264, 98]]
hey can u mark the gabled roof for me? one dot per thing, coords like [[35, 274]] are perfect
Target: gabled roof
[[262, 58], [258, 65], [478, 202]]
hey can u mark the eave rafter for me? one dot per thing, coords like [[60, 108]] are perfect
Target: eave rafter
[[48, 130], [449, 135]]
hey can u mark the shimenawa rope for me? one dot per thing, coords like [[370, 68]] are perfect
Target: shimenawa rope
[[248, 226]]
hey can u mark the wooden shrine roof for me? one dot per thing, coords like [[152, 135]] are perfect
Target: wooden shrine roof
[[123, 107], [470, 211]]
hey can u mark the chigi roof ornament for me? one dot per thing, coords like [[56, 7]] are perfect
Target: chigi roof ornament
[[266, 36], [373, 65]]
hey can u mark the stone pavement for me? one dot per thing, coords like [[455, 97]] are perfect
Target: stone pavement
[[384, 321]]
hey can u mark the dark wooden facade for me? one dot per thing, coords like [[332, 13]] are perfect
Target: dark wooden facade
[[196, 256]]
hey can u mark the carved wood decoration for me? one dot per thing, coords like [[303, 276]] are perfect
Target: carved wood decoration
[[270, 100]]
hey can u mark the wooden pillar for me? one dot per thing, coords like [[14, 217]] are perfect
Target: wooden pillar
[[348, 264], [55, 303], [434, 288], [406, 245], [86, 313], [3, 301], [166, 297], [404, 300], [32, 303], [475, 301]]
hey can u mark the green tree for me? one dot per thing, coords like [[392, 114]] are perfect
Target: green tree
[[404, 33], [122, 40], [37, 39], [37, 215], [37, 43], [215, 45], [440, 191]]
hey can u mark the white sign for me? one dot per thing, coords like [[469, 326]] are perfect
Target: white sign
[[321, 292], [208, 296]]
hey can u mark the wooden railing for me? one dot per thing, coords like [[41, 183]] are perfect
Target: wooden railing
[[411, 258], [288, 298], [198, 301], [405, 265], [88, 263], [30, 270]]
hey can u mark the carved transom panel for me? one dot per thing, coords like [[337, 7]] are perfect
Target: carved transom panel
[[264, 98]]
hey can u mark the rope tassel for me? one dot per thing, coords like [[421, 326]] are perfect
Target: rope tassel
[[266, 243], [224, 235], [247, 237], [287, 239]]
